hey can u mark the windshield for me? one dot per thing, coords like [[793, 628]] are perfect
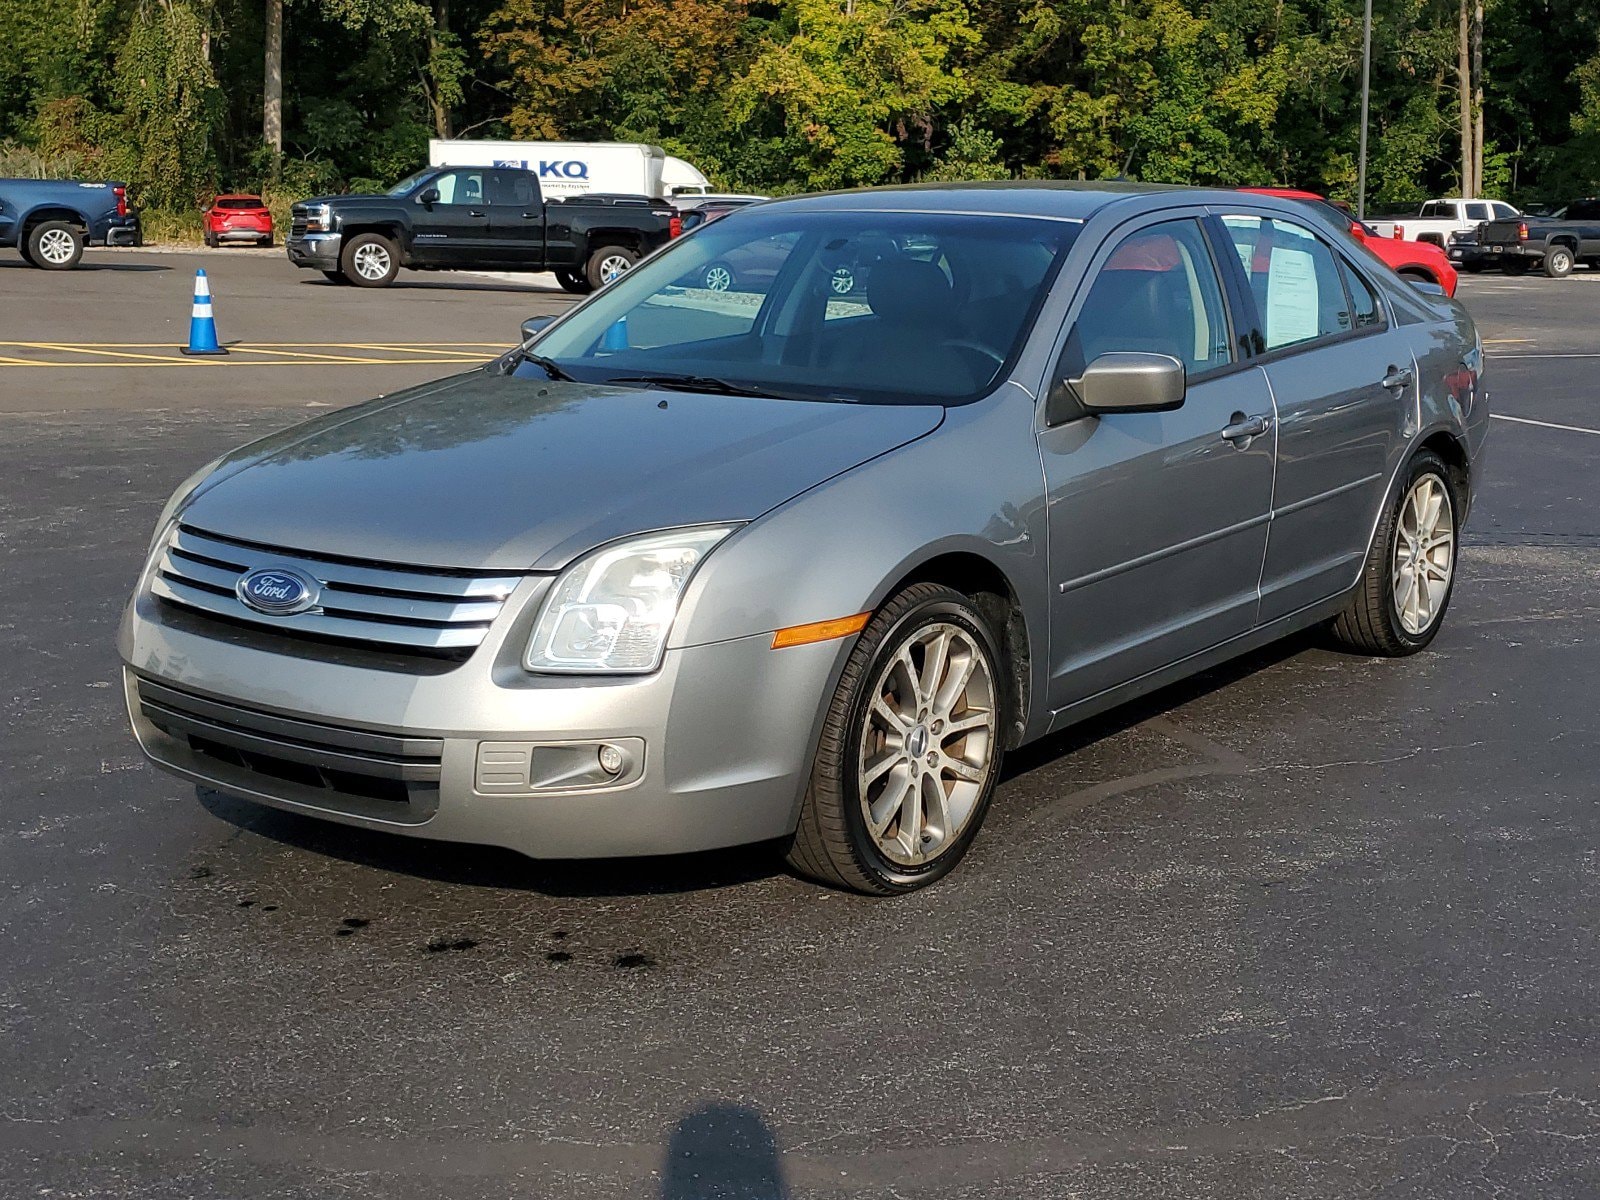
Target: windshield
[[888, 308], [410, 181]]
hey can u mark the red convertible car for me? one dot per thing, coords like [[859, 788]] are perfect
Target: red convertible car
[[1414, 260], [241, 218]]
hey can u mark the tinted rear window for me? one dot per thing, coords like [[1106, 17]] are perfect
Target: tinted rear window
[[240, 202]]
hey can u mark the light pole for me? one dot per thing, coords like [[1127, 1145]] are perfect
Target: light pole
[[1366, 93]]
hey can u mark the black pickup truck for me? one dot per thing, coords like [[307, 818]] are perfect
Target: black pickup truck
[[476, 218], [1557, 243]]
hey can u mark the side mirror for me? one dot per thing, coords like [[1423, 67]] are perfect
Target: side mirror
[[536, 325], [1126, 381], [429, 197]]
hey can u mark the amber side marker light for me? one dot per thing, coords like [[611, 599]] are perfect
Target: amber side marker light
[[820, 631]]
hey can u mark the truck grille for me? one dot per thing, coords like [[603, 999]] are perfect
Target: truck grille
[[412, 610], [297, 227], [297, 759]]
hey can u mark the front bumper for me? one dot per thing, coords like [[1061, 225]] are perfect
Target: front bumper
[[317, 250], [722, 735]]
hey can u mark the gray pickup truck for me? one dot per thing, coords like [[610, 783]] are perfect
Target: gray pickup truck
[[50, 221], [477, 218], [1557, 243]]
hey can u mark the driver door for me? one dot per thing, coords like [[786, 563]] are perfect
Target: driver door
[[454, 230], [1157, 520]]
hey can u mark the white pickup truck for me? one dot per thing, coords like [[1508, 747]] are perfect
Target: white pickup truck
[[1436, 220]]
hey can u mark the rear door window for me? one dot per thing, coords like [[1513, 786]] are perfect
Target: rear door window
[[1477, 212], [1294, 278]]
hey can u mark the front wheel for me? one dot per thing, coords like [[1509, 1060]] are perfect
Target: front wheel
[[54, 246], [1410, 570], [370, 260], [910, 749], [607, 263], [1558, 262], [717, 277]]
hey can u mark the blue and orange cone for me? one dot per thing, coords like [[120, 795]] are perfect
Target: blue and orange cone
[[202, 323]]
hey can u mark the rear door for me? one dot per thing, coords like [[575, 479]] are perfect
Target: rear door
[[516, 219], [1158, 520], [454, 231], [1344, 385]]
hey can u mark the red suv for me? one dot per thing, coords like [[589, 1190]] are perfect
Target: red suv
[[1414, 260], [240, 218]]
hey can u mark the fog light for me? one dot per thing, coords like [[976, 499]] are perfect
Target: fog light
[[610, 759]]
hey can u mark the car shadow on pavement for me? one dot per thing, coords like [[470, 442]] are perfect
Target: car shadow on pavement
[[493, 867], [723, 1152], [86, 265], [442, 285], [1159, 703]]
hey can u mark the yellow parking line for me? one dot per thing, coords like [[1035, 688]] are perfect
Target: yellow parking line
[[466, 355], [332, 358], [20, 363], [441, 346], [64, 349]]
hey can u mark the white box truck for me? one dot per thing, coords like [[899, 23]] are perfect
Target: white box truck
[[568, 169]]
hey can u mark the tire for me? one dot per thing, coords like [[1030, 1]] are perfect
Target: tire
[[842, 282], [210, 240], [572, 281], [606, 263], [717, 277], [834, 843], [370, 260], [335, 277], [1416, 276], [54, 246], [267, 242], [1374, 622], [1592, 263], [22, 249], [1516, 266], [1558, 262]]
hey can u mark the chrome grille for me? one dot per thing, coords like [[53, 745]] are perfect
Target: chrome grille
[[400, 608], [297, 226]]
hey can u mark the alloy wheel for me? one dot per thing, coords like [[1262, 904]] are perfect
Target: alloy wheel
[[717, 278], [1424, 555], [611, 266], [371, 261], [57, 245], [928, 744]]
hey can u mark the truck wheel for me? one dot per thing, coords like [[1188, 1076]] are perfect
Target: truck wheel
[[335, 277], [370, 260], [1558, 262], [572, 281], [606, 263], [54, 246]]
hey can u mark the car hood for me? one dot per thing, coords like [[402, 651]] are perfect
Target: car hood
[[492, 472]]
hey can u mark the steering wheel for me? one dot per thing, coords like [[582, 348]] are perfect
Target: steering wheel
[[988, 352]]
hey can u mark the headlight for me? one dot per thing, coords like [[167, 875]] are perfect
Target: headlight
[[318, 218], [611, 612]]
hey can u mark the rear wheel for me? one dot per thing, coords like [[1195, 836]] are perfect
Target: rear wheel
[[54, 246], [1558, 262], [211, 239], [267, 241], [574, 282], [370, 260], [608, 262], [1410, 570], [910, 749]]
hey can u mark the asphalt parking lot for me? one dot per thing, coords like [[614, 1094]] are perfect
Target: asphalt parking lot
[[1311, 925]]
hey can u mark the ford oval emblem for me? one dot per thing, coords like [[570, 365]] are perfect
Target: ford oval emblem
[[277, 591]]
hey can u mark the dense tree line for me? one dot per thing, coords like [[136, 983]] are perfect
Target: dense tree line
[[176, 95]]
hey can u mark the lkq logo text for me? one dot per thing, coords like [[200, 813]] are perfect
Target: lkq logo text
[[568, 168]]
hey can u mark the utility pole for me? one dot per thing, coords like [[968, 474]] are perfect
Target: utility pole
[[1477, 98], [1464, 94], [1366, 95]]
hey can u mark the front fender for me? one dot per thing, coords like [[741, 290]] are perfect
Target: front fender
[[973, 486]]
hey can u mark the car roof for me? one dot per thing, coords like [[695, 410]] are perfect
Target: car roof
[[1070, 199]]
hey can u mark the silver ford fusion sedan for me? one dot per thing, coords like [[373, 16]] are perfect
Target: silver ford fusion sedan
[[795, 558]]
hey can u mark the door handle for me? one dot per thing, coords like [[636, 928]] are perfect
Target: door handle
[[527, 216], [1243, 428], [476, 212], [1398, 377]]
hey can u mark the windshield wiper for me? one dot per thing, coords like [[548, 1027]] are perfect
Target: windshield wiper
[[547, 365], [698, 383]]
